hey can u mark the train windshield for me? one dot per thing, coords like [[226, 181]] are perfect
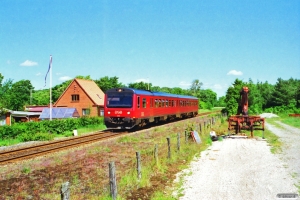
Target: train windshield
[[119, 100]]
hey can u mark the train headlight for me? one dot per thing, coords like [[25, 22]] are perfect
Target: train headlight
[[108, 112], [128, 113]]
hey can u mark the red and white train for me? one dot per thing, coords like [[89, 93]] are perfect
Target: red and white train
[[126, 108]]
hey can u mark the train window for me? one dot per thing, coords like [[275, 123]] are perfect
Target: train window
[[144, 102], [159, 103], [138, 102], [167, 103], [162, 103]]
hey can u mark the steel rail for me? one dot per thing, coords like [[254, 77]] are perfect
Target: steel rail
[[42, 149]]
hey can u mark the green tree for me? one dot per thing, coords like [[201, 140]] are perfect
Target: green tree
[[221, 102], [19, 94], [178, 90], [285, 92], [266, 90], [41, 97], [233, 97], [140, 85], [196, 86], [4, 94], [106, 83], [255, 99], [209, 97]]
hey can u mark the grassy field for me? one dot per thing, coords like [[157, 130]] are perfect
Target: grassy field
[[87, 168]]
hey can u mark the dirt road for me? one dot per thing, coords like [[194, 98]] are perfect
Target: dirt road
[[245, 169]]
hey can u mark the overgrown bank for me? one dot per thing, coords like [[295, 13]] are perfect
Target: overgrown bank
[[46, 130], [87, 168]]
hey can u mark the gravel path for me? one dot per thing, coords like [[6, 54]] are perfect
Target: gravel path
[[290, 137], [244, 169]]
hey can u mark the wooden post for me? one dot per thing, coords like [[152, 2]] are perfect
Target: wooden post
[[138, 165], [65, 191], [156, 153], [178, 141], [169, 147], [186, 136], [200, 128], [112, 180]]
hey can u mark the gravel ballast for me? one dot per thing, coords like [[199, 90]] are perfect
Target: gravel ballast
[[243, 169]]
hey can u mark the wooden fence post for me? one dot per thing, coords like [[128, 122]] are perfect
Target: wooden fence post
[[186, 135], [156, 153], [112, 180], [200, 128], [169, 147], [65, 191], [138, 165], [178, 141]]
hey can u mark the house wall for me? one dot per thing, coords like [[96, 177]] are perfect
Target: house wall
[[83, 103]]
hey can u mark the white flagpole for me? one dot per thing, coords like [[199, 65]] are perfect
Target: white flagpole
[[50, 87]]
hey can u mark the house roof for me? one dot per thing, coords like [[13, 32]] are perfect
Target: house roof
[[23, 113], [90, 88], [35, 108]]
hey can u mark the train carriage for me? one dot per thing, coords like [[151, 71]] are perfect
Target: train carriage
[[125, 108]]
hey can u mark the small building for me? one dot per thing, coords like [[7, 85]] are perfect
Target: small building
[[19, 116], [85, 96]]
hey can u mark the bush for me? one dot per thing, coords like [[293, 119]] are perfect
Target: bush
[[40, 130], [25, 137]]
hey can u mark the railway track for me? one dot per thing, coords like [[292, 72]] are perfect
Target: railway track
[[14, 155]]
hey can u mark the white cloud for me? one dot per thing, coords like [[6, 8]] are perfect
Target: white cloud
[[28, 63], [235, 73], [38, 74], [142, 80], [184, 84], [65, 78]]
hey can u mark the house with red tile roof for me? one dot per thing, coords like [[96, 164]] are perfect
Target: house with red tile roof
[[85, 96]]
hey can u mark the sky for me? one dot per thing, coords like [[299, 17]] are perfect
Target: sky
[[169, 43]]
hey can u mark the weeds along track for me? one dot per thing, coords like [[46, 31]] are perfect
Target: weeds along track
[[17, 154], [14, 155]]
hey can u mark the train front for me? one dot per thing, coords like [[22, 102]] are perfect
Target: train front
[[118, 108]]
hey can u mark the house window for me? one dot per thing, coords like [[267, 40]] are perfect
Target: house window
[[86, 112], [75, 97]]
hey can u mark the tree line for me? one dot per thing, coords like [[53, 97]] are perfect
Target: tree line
[[284, 96], [17, 95]]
